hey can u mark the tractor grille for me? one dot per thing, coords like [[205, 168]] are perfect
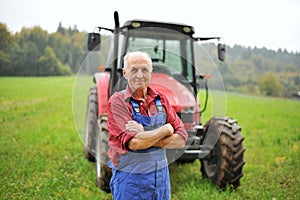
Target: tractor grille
[[186, 117]]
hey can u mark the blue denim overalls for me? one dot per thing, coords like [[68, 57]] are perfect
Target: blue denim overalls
[[143, 174]]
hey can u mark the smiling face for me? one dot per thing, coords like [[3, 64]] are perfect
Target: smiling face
[[137, 71]]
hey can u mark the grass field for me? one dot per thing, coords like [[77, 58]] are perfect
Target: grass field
[[41, 154]]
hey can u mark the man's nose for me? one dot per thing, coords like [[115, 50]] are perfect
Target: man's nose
[[139, 73]]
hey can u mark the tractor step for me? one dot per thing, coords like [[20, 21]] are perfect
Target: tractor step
[[199, 153]]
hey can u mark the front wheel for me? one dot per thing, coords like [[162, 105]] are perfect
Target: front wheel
[[103, 172], [224, 164]]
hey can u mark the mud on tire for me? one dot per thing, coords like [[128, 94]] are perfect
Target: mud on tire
[[224, 164], [91, 126], [103, 172]]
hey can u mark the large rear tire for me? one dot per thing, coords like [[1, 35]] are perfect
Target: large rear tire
[[224, 164], [103, 172], [91, 126]]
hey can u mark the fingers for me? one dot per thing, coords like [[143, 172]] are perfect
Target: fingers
[[132, 122], [134, 126], [169, 128]]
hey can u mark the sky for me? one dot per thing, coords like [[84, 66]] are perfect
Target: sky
[[272, 24]]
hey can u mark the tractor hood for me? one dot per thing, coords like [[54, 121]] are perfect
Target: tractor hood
[[178, 95]]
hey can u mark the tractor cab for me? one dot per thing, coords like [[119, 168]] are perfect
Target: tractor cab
[[171, 47]]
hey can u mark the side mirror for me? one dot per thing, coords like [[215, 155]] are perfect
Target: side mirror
[[221, 52], [94, 40]]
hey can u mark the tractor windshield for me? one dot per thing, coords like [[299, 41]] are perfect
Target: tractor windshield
[[171, 52]]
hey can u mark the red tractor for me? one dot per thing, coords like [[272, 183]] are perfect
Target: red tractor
[[218, 143]]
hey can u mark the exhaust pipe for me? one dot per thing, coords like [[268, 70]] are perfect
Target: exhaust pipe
[[114, 69]]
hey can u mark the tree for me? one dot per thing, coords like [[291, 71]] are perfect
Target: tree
[[270, 85], [6, 40], [49, 64], [60, 29], [4, 64]]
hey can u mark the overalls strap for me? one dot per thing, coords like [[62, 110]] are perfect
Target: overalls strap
[[136, 108]]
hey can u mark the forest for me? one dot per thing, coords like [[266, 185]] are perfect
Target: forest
[[35, 52]]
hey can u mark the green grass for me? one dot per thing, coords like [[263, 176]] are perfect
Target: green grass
[[41, 153]]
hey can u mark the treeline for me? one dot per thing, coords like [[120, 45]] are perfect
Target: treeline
[[260, 71], [263, 71], [35, 52]]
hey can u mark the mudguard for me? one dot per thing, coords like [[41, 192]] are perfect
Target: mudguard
[[102, 80]]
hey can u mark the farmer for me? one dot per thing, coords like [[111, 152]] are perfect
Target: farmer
[[142, 125]]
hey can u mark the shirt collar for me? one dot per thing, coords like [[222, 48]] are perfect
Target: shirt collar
[[151, 94]]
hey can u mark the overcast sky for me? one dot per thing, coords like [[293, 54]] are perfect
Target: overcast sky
[[262, 23]]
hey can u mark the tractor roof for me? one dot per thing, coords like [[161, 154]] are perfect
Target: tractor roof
[[182, 28]]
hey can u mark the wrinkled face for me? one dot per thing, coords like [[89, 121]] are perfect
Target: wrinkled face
[[138, 72]]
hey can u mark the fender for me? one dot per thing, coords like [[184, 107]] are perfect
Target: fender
[[181, 99], [102, 81]]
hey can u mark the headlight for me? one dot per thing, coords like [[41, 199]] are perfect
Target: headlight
[[136, 24], [188, 110], [187, 29]]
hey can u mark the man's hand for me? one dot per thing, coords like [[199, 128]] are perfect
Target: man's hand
[[134, 126], [145, 139], [167, 128]]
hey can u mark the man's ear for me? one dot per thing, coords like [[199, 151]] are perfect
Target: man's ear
[[124, 73]]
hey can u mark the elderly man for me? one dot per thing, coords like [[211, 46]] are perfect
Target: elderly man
[[142, 125]]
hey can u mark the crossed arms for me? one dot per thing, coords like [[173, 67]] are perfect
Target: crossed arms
[[163, 137]]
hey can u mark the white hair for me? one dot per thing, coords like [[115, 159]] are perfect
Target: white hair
[[141, 53]]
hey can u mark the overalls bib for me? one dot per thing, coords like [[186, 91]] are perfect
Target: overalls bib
[[142, 174]]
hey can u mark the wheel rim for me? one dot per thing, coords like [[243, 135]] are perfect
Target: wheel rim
[[210, 168]]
